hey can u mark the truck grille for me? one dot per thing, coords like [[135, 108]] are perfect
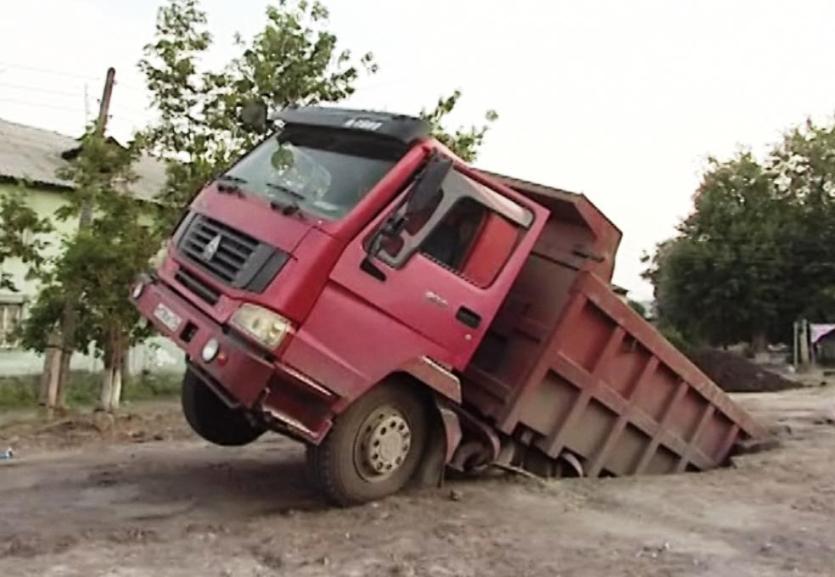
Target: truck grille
[[197, 286], [220, 249], [232, 257]]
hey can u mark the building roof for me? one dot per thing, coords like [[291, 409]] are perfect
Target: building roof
[[35, 155]]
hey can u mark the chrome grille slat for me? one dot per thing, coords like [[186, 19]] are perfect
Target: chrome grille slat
[[196, 285], [230, 256], [232, 253]]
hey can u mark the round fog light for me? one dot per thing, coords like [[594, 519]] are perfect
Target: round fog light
[[137, 290], [210, 350]]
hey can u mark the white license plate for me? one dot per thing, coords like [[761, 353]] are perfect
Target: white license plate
[[169, 318]]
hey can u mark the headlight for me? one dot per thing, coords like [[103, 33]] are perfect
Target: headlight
[[265, 326]]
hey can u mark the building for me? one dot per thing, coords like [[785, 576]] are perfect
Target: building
[[822, 337], [30, 158]]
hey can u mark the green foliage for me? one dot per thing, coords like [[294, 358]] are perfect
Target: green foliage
[[465, 142], [293, 60], [676, 338], [21, 233], [638, 308], [98, 264], [758, 250], [803, 170], [180, 96]]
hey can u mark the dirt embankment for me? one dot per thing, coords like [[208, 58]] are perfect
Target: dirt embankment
[[736, 374], [144, 422]]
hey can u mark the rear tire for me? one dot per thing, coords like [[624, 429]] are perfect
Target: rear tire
[[374, 447], [211, 418]]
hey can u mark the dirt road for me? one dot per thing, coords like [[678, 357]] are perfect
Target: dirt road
[[179, 507]]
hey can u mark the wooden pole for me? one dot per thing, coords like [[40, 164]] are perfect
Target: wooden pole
[[69, 316]]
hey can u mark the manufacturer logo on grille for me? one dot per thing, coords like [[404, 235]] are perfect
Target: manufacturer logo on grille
[[210, 249]]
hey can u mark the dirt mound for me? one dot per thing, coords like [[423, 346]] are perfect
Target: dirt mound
[[736, 374], [155, 422]]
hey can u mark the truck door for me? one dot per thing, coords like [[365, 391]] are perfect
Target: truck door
[[449, 266]]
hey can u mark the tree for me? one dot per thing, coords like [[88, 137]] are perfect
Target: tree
[[802, 168], [465, 142], [293, 60], [718, 280], [97, 264], [106, 258], [20, 234], [758, 250]]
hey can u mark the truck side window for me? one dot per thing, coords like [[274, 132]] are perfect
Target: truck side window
[[472, 241], [449, 243], [469, 229]]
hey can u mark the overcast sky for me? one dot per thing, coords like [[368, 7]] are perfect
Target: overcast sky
[[623, 101]]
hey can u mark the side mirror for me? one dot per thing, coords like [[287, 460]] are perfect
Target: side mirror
[[423, 197], [254, 116], [425, 192]]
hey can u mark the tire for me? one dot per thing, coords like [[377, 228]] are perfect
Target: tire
[[211, 418], [348, 469]]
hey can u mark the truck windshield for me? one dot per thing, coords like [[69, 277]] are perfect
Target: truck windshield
[[319, 171]]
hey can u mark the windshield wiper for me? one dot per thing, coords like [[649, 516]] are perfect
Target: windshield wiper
[[294, 198], [286, 190], [230, 183]]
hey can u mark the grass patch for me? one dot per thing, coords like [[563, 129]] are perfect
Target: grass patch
[[83, 389]]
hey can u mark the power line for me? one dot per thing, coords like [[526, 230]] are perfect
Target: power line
[[123, 85], [42, 105], [79, 109], [48, 71], [39, 89]]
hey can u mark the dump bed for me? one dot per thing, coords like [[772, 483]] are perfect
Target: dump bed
[[568, 367]]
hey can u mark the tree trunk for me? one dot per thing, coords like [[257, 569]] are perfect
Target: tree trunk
[[126, 375], [118, 370], [63, 378], [106, 392], [759, 342], [116, 392], [111, 389], [49, 376], [52, 391]]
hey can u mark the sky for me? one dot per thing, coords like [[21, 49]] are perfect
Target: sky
[[622, 101]]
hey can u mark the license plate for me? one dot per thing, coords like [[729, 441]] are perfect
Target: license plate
[[169, 318]]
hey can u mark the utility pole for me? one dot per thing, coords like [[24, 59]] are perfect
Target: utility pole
[[101, 123], [69, 316]]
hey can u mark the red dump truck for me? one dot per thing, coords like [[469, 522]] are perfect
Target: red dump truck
[[352, 284]]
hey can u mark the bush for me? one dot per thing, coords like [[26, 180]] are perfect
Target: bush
[[83, 389]]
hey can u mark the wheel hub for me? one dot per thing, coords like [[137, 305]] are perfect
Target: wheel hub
[[384, 444]]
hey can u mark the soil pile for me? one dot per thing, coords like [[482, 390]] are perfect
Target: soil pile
[[736, 374], [153, 423]]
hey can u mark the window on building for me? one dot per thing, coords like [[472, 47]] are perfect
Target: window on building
[[10, 316]]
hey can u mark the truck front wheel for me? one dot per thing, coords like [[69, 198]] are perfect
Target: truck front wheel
[[211, 418], [374, 447]]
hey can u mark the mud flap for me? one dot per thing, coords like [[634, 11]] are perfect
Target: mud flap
[[444, 437]]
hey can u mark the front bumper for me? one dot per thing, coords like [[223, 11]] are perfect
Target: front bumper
[[291, 402]]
